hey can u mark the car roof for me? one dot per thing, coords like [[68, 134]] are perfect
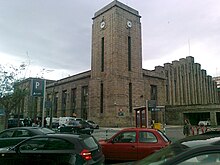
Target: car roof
[[182, 146], [138, 129], [69, 137], [195, 151], [196, 140], [33, 129]]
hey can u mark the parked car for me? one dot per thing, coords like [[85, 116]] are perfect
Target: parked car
[[131, 144], [204, 122], [54, 149], [54, 122], [77, 126], [213, 132], [13, 122], [12, 136], [68, 120], [94, 125], [192, 150]]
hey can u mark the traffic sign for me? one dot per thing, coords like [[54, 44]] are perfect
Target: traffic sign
[[37, 87]]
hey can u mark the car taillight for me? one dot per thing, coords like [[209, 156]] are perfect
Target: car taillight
[[87, 155]]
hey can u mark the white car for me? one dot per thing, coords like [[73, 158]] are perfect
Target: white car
[[204, 123]]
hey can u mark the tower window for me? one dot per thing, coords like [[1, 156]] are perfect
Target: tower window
[[102, 55], [129, 53], [101, 99], [130, 97]]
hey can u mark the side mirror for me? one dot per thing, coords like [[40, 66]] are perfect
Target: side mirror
[[16, 149]]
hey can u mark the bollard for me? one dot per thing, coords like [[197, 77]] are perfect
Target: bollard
[[192, 129], [197, 130], [106, 134], [202, 128]]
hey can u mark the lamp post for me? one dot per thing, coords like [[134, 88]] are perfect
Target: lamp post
[[44, 98]]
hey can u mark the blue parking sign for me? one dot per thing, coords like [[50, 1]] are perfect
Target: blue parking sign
[[37, 87]]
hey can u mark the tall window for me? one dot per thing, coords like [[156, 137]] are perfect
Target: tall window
[[102, 54], [101, 98], [84, 102], [55, 104], [48, 105], [153, 92], [73, 100], [129, 53], [64, 99], [130, 97]]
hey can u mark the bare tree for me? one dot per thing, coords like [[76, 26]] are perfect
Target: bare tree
[[10, 94]]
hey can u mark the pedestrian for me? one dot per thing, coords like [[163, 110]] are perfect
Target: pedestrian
[[186, 127], [45, 122]]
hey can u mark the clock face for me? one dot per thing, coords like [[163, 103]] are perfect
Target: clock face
[[129, 24], [102, 25]]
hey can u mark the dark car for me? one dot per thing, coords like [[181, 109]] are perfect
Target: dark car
[[77, 126], [93, 124], [193, 150], [54, 149], [132, 144], [13, 122], [212, 132], [12, 136]]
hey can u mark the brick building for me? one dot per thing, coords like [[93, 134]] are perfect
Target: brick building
[[117, 83]]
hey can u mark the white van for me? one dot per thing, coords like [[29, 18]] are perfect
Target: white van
[[66, 120], [54, 120]]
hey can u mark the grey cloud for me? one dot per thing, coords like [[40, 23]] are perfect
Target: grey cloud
[[57, 34]]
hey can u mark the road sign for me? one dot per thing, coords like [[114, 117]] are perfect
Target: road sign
[[152, 103], [37, 87]]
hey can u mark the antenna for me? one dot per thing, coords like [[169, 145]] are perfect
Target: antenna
[[189, 46]]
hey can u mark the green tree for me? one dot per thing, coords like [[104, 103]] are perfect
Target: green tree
[[11, 93]]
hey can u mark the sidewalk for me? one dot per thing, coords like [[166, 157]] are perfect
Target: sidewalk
[[120, 128]]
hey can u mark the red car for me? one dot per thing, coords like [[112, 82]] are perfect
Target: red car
[[133, 144]]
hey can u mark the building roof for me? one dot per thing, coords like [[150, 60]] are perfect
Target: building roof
[[118, 4]]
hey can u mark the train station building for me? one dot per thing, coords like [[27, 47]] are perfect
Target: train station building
[[117, 83]]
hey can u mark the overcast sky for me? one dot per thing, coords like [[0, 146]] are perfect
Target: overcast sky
[[53, 37]]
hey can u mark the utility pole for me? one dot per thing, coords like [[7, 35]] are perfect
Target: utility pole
[[44, 98]]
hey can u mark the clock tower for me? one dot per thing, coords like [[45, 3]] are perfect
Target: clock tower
[[116, 84]]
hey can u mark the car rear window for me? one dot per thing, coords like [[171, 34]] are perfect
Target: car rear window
[[90, 143]]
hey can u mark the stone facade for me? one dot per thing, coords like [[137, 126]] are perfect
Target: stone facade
[[112, 67], [187, 84]]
